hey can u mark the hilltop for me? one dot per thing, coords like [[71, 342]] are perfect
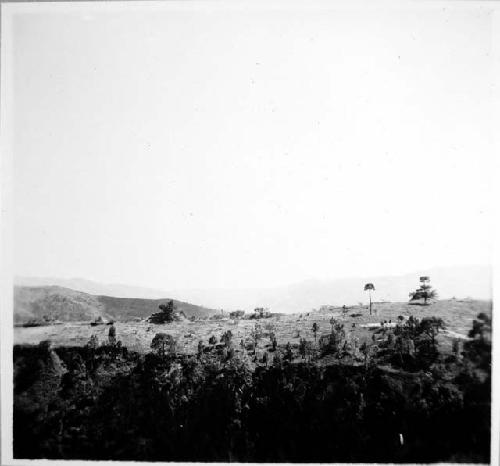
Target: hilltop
[[67, 305]]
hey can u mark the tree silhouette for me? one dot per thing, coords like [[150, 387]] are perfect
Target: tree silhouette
[[425, 291], [226, 338], [315, 329], [303, 348], [166, 315], [332, 323], [163, 343], [369, 287], [431, 326], [212, 340], [93, 342], [478, 349], [112, 335], [256, 335]]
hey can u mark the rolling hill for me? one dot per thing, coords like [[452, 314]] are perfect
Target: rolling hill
[[71, 306]]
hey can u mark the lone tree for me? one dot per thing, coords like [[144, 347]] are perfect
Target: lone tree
[[274, 342], [478, 348], [315, 329], [112, 335], [425, 291], [303, 348], [333, 322], [93, 343], [166, 315], [163, 343], [369, 287], [227, 338], [256, 335], [212, 340], [431, 326]]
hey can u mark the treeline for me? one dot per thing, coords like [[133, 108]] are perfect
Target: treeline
[[103, 402]]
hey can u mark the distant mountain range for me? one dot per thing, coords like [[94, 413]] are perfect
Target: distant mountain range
[[458, 281], [91, 287], [64, 304]]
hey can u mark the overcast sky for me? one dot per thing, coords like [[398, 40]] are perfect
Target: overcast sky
[[196, 146]]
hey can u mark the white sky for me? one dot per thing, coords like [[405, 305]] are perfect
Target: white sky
[[196, 146]]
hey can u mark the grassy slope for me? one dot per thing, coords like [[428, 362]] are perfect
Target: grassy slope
[[73, 306], [457, 315], [127, 308]]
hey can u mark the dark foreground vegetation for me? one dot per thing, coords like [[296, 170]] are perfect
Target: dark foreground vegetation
[[401, 400]]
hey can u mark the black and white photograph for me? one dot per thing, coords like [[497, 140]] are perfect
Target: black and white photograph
[[249, 231]]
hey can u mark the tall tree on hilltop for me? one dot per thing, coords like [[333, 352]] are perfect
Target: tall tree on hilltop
[[369, 287], [425, 291]]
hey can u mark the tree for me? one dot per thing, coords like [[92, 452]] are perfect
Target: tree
[[332, 323], [166, 315], [163, 343], [331, 344], [365, 350], [424, 292], [226, 338], [212, 340], [431, 326], [455, 347], [256, 335], [259, 312], [369, 287], [93, 342], [315, 328], [112, 335], [274, 342], [237, 314], [304, 347], [481, 328], [478, 349]]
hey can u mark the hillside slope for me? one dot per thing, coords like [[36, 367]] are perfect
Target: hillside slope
[[71, 306]]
